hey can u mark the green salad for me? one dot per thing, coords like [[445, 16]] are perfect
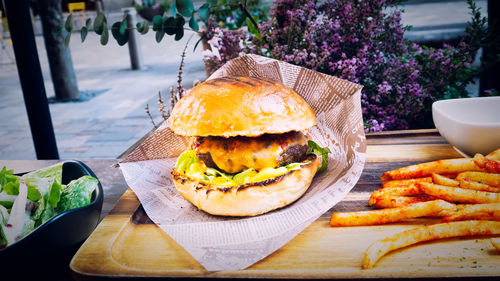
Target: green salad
[[27, 201]]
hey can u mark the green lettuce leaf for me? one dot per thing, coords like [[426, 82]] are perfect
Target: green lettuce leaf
[[54, 172], [314, 148], [77, 193], [46, 215], [7, 200], [5, 177], [54, 194]]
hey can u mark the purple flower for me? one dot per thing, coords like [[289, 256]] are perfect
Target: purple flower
[[360, 41]]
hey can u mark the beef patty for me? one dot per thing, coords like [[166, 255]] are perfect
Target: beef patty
[[235, 154]]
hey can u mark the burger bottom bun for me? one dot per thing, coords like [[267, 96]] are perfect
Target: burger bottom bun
[[250, 199]]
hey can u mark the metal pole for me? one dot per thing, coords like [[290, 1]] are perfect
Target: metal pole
[[30, 75], [134, 47], [99, 6]]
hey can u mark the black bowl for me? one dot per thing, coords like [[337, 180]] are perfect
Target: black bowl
[[55, 242]]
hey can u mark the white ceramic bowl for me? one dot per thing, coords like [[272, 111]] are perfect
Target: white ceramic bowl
[[472, 124]]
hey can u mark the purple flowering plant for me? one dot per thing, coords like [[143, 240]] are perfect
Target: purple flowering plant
[[361, 41]]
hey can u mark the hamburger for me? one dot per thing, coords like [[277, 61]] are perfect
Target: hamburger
[[248, 153]]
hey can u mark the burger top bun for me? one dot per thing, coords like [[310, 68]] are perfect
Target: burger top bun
[[240, 106]]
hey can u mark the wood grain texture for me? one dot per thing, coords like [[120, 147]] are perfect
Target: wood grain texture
[[127, 243]]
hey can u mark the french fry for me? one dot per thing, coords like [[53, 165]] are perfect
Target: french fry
[[490, 211], [456, 194], [387, 201], [492, 165], [479, 159], [489, 164], [389, 215], [410, 189], [482, 177], [428, 233], [494, 155], [399, 183], [467, 184], [496, 243], [447, 166], [442, 180]]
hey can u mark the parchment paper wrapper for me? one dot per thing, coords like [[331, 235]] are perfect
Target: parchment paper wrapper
[[230, 243]]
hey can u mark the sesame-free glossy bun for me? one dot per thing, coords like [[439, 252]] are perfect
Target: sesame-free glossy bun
[[240, 106], [250, 199]]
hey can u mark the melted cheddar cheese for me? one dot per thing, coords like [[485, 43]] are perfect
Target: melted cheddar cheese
[[188, 164]]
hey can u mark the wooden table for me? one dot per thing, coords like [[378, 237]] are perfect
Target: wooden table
[[127, 244]]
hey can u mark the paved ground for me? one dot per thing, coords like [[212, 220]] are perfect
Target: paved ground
[[108, 124]]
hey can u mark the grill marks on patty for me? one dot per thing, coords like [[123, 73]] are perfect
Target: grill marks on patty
[[236, 154]]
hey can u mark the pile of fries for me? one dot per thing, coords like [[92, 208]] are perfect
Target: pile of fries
[[463, 192]]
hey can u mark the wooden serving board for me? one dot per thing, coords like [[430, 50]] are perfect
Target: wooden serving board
[[127, 243]]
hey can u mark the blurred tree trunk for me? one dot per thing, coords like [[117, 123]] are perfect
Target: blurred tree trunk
[[60, 62]]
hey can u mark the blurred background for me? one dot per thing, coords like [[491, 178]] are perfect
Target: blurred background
[[109, 86]]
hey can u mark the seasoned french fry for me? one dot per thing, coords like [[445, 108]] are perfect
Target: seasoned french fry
[[389, 215], [442, 180], [387, 201], [411, 189], [492, 165], [490, 211], [494, 155], [428, 233], [456, 194], [399, 183], [496, 243], [448, 166], [479, 159], [467, 184], [482, 177]]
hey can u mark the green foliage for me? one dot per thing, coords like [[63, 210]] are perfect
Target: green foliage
[[174, 25], [123, 26], [193, 23], [68, 25], [204, 13], [173, 9], [185, 7], [116, 31], [159, 35], [88, 22], [253, 29], [83, 33], [170, 26], [142, 27], [66, 39], [179, 33], [105, 35], [99, 23], [157, 22], [85, 29]]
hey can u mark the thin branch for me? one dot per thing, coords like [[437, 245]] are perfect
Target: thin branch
[[180, 88], [161, 107], [245, 11], [150, 117]]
